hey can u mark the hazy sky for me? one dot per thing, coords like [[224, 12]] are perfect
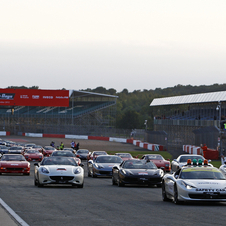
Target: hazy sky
[[133, 44]]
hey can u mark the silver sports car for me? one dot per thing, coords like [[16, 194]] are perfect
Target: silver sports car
[[58, 170], [182, 160], [102, 165], [194, 183]]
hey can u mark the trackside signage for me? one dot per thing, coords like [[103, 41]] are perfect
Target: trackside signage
[[34, 97]]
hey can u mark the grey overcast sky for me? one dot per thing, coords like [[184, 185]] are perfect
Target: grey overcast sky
[[133, 44]]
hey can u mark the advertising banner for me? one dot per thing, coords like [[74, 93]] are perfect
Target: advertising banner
[[34, 97]]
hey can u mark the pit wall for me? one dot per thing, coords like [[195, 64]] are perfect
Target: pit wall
[[138, 143]]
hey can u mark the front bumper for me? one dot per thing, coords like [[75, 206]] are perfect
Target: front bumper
[[76, 179], [141, 180], [102, 172]]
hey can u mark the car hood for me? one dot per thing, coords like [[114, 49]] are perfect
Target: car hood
[[207, 184], [106, 165], [143, 171], [33, 155], [61, 169], [14, 163]]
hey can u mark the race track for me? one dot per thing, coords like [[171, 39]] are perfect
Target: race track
[[99, 202]]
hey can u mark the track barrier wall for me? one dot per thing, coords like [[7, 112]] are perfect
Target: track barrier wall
[[196, 150], [138, 143]]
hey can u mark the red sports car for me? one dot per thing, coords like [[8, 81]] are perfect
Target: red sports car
[[48, 150], [159, 161], [14, 163], [124, 156], [33, 155]]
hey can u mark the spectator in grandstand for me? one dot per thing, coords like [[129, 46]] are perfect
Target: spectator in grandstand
[[61, 146]]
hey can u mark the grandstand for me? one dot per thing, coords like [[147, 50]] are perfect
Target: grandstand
[[192, 119], [85, 113]]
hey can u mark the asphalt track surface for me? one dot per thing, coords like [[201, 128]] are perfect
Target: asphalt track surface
[[99, 202]]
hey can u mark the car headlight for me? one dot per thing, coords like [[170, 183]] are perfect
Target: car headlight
[[188, 186], [77, 171], [44, 170], [161, 173], [98, 166]]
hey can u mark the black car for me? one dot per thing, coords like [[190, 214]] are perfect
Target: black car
[[82, 154], [136, 171]]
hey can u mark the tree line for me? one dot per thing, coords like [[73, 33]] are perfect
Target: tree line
[[133, 108]]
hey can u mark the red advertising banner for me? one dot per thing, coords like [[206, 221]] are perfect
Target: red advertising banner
[[34, 97]]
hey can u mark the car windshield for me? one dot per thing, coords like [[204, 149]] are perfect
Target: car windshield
[[185, 158], [13, 158], [37, 146], [124, 155], [59, 161], [63, 153], [16, 148], [155, 157], [82, 152], [32, 152], [136, 164], [108, 159], [49, 148], [99, 153], [210, 174]]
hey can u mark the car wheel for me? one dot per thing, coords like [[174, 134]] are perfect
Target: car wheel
[[120, 184], [175, 196], [113, 181], [80, 185], [27, 174], [93, 175], [164, 196], [38, 183], [35, 182]]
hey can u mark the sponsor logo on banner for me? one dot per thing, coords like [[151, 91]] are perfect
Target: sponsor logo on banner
[[24, 97], [35, 97], [60, 97], [7, 96], [47, 97]]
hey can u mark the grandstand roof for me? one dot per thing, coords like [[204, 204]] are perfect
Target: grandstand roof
[[191, 99], [77, 93]]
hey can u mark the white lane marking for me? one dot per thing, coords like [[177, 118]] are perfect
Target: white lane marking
[[13, 214]]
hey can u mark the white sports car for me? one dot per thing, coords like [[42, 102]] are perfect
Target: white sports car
[[194, 183], [182, 160], [58, 170]]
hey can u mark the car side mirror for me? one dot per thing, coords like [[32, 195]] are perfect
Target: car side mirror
[[36, 164], [176, 176], [81, 164]]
